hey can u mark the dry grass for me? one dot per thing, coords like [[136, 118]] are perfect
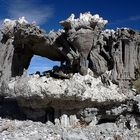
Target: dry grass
[[118, 137]]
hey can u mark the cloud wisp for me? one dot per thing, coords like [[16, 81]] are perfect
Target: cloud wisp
[[1, 22], [135, 18], [130, 19], [31, 10]]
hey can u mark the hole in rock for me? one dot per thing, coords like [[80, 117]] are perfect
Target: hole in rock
[[41, 64]]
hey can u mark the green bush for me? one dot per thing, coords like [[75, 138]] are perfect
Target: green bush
[[136, 84]]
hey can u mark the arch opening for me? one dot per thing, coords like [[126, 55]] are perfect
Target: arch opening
[[41, 64]]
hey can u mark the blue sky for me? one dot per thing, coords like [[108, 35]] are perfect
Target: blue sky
[[48, 13]]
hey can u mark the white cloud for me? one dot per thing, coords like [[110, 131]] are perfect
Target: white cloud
[[31, 10]]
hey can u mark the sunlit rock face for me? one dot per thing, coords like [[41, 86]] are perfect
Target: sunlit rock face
[[126, 55], [85, 20], [9, 25], [93, 88]]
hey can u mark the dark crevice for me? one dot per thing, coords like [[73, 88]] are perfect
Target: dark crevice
[[107, 120], [21, 60], [127, 123], [123, 52], [106, 55], [135, 109], [9, 109], [49, 116]]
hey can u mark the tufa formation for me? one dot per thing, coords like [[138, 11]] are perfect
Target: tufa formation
[[93, 94]]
